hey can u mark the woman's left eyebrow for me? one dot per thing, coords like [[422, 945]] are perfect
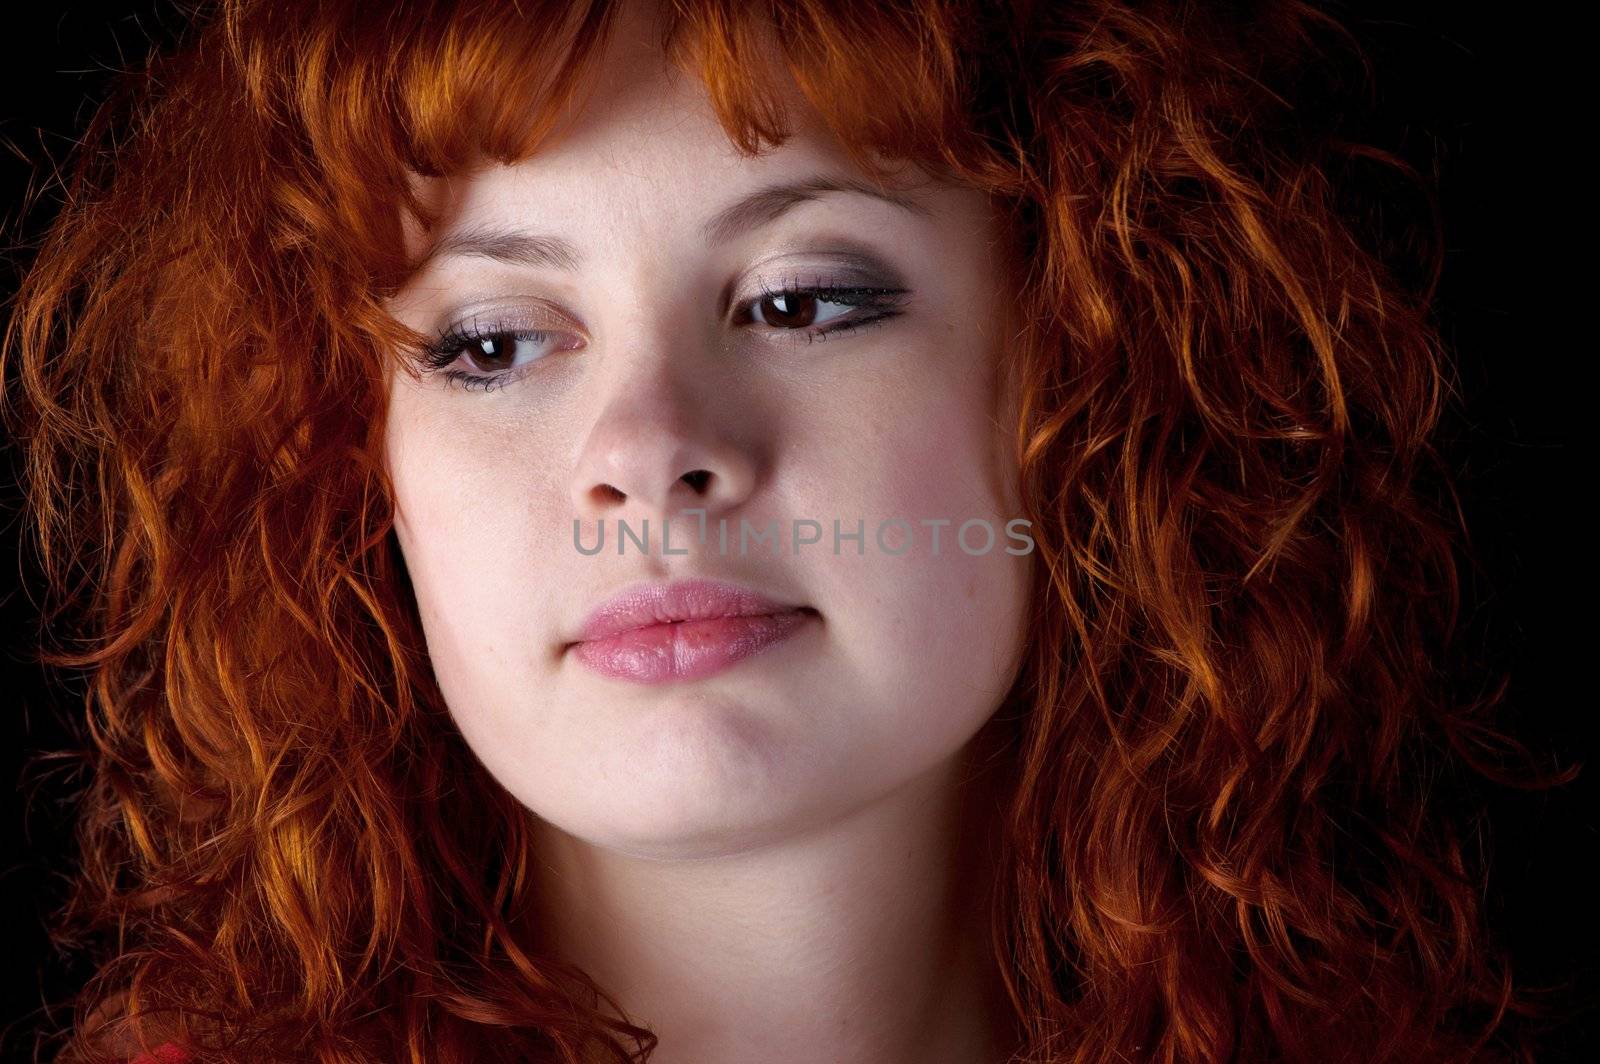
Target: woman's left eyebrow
[[763, 206]]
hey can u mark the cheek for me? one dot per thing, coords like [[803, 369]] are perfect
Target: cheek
[[934, 459], [463, 528], [940, 626], [432, 538]]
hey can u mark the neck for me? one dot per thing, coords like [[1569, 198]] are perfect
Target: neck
[[864, 940]]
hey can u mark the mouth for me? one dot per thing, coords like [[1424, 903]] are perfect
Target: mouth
[[685, 625], [646, 605], [661, 633]]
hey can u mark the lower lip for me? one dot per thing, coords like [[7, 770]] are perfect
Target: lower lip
[[687, 650]]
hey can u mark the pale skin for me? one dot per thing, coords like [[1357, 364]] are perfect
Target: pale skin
[[783, 861]]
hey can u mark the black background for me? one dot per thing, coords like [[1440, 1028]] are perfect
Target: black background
[[1490, 109]]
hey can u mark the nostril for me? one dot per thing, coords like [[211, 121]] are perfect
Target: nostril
[[697, 478]]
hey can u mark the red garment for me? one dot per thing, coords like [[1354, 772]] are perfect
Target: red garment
[[165, 1053]]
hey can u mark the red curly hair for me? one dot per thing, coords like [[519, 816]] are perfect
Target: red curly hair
[[1224, 834]]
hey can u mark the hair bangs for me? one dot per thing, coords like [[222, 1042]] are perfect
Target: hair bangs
[[376, 98]]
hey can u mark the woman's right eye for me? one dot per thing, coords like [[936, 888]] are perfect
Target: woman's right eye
[[499, 350], [490, 356]]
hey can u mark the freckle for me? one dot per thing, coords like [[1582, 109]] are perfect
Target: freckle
[[972, 588]]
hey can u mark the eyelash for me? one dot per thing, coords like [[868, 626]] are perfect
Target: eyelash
[[438, 356]]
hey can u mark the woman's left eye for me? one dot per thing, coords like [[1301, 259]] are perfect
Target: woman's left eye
[[822, 310]]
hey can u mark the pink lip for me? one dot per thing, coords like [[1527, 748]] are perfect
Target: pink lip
[[655, 633]]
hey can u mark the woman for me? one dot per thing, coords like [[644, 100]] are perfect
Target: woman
[[518, 637]]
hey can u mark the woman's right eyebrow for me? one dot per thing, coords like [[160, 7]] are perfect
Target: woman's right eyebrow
[[516, 247], [763, 206]]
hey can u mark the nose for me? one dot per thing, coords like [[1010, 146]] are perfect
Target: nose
[[663, 442]]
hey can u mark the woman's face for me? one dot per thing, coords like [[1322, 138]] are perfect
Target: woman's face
[[622, 273]]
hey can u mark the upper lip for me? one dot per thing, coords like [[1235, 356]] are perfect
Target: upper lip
[[643, 605]]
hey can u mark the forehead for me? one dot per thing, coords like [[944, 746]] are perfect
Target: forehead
[[642, 137]]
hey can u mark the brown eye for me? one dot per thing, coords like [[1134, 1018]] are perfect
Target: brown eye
[[797, 310], [788, 309], [493, 351]]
